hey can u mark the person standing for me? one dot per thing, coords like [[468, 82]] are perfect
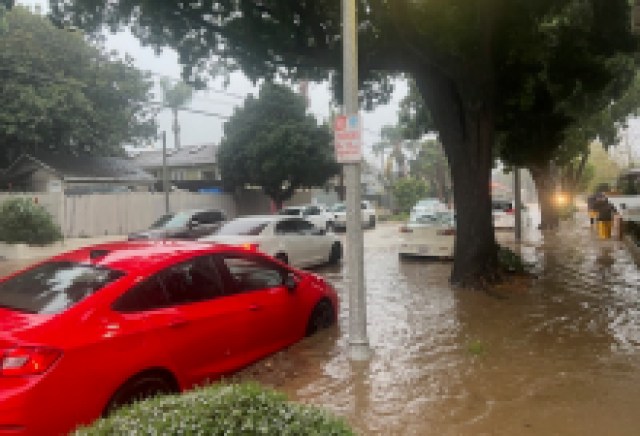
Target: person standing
[[605, 210], [593, 213]]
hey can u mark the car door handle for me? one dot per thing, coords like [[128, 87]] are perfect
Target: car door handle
[[255, 307]]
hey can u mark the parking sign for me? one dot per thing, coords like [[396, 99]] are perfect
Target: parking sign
[[347, 131]]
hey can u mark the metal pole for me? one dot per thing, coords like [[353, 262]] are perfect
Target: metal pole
[[518, 204], [358, 342], [165, 175]]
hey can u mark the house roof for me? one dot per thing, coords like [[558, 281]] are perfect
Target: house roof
[[80, 167], [192, 155]]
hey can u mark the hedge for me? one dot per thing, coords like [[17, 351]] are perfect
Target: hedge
[[23, 221], [223, 409]]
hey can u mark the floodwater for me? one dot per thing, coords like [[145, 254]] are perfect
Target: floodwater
[[559, 355]]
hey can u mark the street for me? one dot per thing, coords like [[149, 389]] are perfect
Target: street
[[554, 355]]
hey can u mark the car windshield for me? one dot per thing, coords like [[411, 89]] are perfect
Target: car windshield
[[173, 221], [438, 218], [160, 222], [339, 207], [291, 211], [243, 227], [54, 287]]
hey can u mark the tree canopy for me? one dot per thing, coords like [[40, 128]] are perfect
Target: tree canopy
[[273, 143], [470, 60], [58, 92]]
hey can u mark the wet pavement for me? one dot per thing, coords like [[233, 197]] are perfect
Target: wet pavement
[[558, 355]]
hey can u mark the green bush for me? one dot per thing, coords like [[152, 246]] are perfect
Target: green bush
[[23, 221], [509, 261], [224, 409], [408, 191]]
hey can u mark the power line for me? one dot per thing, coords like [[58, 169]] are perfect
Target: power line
[[190, 110]]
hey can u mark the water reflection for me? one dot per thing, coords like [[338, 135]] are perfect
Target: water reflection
[[558, 358]]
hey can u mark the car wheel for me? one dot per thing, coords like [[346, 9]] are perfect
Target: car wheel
[[282, 257], [321, 317], [372, 222], [139, 387], [336, 253]]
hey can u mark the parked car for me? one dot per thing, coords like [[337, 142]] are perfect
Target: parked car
[[315, 213], [186, 224], [427, 206], [503, 214], [291, 240], [429, 235], [88, 331], [339, 212]]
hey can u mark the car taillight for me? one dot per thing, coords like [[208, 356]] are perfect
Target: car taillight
[[447, 232], [23, 361], [510, 211], [405, 229], [251, 247]]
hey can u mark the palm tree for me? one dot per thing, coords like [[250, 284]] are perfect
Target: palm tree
[[175, 97]]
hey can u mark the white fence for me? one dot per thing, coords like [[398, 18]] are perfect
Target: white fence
[[121, 213]]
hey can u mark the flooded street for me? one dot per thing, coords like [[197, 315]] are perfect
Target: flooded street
[[562, 357], [559, 358]]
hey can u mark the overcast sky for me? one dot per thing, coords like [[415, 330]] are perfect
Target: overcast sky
[[198, 129]]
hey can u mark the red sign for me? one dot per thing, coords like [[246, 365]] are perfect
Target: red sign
[[347, 131]]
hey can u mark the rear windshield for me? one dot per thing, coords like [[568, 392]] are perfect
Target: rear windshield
[[54, 287], [243, 227]]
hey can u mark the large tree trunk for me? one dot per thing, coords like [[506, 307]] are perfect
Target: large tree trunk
[[544, 181], [467, 135]]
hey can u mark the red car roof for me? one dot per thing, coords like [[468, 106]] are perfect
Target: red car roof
[[138, 255]]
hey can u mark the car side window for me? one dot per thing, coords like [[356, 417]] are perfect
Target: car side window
[[305, 227], [192, 281], [313, 210], [250, 273], [286, 227], [147, 295], [209, 217]]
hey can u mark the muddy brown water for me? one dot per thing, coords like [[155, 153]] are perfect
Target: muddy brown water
[[561, 357]]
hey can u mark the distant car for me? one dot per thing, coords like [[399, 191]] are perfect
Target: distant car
[[503, 214], [315, 213], [94, 329], [291, 240], [186, 224], [367, 213], [429, 235], [427, 206]]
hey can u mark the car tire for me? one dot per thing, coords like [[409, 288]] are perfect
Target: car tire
[[335, 254], [372, 222], [139, 387], [282, 257], [322, 317]]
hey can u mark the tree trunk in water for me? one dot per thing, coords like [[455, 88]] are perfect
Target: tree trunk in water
[[467, 136], [543, 179]]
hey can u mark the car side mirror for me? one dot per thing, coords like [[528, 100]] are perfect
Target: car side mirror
[[291, 282]]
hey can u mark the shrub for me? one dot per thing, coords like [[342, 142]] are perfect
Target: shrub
[[509, 261], [224, 409], [408, 191], [22, 220]]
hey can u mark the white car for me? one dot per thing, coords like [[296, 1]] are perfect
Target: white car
[[339, 212], [291, 240], [504, 217], [312, 212], [427, 206], [429, 235]]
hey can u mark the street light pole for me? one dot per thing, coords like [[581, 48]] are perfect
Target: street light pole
[[358, 342]]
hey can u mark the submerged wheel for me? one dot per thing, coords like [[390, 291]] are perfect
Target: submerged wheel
[[140, 387], [336, 253], [321, 317], [282, 257]]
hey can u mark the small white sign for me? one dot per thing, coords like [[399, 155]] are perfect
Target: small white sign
[[347, 131]]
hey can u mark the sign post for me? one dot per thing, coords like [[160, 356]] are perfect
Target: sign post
[[349, 152]]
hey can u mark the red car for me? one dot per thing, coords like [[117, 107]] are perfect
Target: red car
[[90, 330]]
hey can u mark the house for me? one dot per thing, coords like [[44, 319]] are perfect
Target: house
[[188, 166], [74, 174]]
